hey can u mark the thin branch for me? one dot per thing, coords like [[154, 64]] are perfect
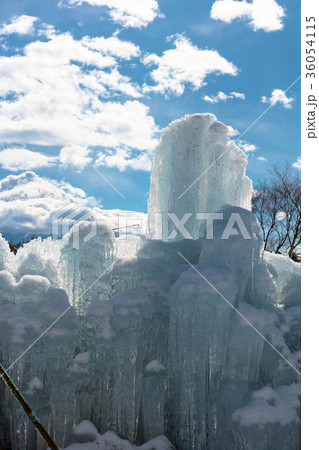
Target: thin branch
[[33, 417]]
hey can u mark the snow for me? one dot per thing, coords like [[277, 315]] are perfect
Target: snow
[[6, 257], [270, 406], [38, 257], [110, 441], [154, 366], [34, 384], [144, 344], [86, 427], [80, 363]]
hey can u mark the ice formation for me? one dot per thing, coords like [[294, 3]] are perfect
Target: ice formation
[[188, 344], [196, 169]]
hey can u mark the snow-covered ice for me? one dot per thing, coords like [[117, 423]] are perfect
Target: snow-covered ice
[[91, 439], [148, 351]]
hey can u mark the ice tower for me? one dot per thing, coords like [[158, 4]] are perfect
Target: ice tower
[[196, 169]]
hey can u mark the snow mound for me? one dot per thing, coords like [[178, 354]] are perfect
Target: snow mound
[[154, 366], [270, 406], [88, 438]]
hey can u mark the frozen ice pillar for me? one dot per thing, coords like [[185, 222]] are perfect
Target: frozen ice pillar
[[196, 169]]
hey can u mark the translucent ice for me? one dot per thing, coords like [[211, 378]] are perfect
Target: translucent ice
[[197, 169], [287, 275]]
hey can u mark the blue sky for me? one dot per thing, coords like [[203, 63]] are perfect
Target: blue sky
[[89, 84]]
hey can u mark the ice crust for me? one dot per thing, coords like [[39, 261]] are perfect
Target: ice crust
[[150, 352]]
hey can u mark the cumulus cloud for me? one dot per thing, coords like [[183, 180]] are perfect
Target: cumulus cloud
[[297, 164], [112, 46], [47, 30], [74, 157], [222, 97], [19, 25], [264, 15], [246, 147], [57, 92], [185, 64], [28, 201], [29, 205], [128, 13], [16, 159], [124, 159], [278, 96], [261, 158], [232, 131], [116, 82]]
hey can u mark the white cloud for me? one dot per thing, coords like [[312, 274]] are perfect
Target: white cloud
[[281, 215], [185, 64], [19, 25], [297, 164], [16, 159], [113, 46], [116, 82], [74, 157], [261, 158], [264, 15], [128, 13], [238, 95], [28, 201], [124, 159], [47, 30], [278, 96], [246, 147], [222, 97], [69, 83], [232, 131]]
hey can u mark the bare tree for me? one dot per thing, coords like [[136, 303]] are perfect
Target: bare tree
[[277, 205]]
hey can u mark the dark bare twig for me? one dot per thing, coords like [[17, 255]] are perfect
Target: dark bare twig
[[33, 417]]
